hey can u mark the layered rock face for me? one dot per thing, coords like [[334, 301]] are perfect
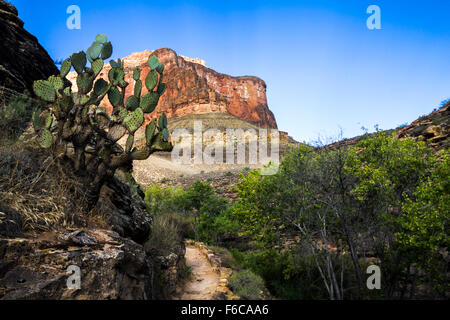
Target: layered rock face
[[111, 267], [22, 59], [192, 88], [113, 260]]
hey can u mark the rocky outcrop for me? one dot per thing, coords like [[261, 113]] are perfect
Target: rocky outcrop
[[124, 213], [168, 270], [22, 58], [193, 88], [433, 128], [109, 253], [111, 267]]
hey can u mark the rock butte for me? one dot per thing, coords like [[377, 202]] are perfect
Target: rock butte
[[193, 88]]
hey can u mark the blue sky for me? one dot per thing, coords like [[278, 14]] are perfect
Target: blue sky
[[324, 69]]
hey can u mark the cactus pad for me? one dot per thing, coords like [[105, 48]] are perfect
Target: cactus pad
[[160, 68], [107, 51], [67, 92], [134, 120], [137, 74], [101, 38], [151, 80], [48, 120], [153, 62], [115, 76], [166, 134], [94, 51], [44, 90], [129, 144], [161, 88], [78, 61], [97, 66], [100, 87], [84, 83], [123, 113], [37, 121], [150, 131], [114, 96], [138, 88], [162, 121], [56, 82], [132, 103], [65, 68], [45, 138], [149, 101]]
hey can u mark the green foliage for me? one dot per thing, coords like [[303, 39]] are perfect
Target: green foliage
[[208, 215], [386, 198], [424, 233], [425, 220], [390, 167], [247, 285], [197, 194], [257, 209], [163, 200], [79, 121], [288, 275]]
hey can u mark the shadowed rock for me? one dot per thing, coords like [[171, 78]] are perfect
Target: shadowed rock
[[22, 58]]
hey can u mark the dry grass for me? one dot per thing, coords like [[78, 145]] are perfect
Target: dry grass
[[165, 235], [44, 192]]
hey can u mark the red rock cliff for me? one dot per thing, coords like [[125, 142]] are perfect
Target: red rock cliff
[[194, 88]]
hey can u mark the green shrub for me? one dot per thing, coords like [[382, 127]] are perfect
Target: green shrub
[[247, 285], [197, 194], [201, 214], [163, 200], [381, 199], [288, 275], [15, 116]]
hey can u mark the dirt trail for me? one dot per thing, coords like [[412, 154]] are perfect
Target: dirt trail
[[204, 280]]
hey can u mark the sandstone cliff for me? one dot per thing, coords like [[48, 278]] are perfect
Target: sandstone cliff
[[192, 88], [22, 58]]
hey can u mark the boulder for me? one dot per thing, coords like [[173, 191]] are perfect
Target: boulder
[[111, 267]]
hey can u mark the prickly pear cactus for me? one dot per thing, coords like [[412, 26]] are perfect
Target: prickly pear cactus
[[76, 121]]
